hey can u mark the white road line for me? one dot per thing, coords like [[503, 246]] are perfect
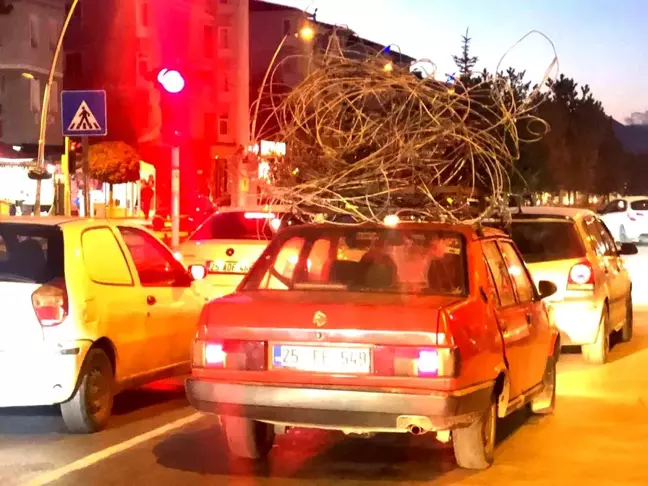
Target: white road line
[[92, 459]]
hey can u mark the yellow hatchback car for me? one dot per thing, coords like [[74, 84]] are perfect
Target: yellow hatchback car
[[91, 307], [574, 249]]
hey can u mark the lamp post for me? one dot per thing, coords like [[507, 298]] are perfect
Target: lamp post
[[45, 108]]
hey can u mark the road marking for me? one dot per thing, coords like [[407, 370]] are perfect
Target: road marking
[[96, 457]]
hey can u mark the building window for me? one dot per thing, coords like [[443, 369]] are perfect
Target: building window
[[223, 38], [287, 27], [54, 98], [143, 14], [142, 66], [224, 2], [35, 95], [208, 41], [225, 84], [54, 31], [3, 84], [33, 31], [223, 125]]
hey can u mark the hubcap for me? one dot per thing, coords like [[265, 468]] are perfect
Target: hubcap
[[97, 392]]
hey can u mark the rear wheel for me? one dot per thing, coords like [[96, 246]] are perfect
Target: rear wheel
[[626, 331], [248, 439], [545, 402], [89, 408], [597, 352], [474, 446]]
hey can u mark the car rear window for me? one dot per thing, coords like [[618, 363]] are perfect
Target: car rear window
[[403, 261], [640, 205], [30, 253], [546, 241], [241, 226]]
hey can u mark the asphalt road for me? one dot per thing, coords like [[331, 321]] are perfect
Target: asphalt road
[[598, 435]]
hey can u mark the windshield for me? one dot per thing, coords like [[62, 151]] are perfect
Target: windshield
[[640, 205], [545, 241], [30, 253], [364, 260], [242, 226]]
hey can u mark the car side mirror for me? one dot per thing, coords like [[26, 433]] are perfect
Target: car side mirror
[[183, 279], [546, 288], [628, 249], [198, 272]]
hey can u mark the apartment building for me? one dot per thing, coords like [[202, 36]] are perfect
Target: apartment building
[[29, 31], [120, 46]]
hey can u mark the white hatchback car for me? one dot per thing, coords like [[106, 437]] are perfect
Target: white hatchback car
[[91, 307], [573, 248], [225, 246], [627, 218]]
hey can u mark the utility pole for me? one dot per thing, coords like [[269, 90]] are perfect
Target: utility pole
[[175, 196], [86, 177], [65, 169]]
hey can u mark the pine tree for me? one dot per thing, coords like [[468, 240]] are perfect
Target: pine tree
[[465, 62]]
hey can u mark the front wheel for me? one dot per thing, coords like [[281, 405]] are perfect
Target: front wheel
[[474, 446], [248, 439], [597, 352], [89, 408]]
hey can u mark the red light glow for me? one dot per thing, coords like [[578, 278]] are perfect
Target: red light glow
[[171, 80]]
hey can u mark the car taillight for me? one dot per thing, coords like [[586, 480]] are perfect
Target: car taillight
[[581, 277], [231, 355], [415, 361], [50, 302]]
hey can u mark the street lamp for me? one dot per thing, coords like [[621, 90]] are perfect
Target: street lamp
[[307, 33], [45, 108]]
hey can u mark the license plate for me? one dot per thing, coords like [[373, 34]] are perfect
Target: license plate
[[220, 266], [322, 359]]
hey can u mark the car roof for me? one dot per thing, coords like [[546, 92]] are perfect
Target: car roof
[[71, 220], [255, 209], [550, 212], [631, 198], [468, 230]]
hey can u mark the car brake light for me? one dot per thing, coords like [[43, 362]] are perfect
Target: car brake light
[[259, 215], [50, 302], [581, 275], [230, 354], [215, 355], [415, 361]]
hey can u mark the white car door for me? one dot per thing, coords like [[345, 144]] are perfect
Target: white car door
[[615, 217]]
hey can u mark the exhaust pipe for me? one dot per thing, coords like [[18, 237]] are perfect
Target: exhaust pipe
[[416, 430]]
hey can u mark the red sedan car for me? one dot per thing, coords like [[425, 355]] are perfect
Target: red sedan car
[[413, 328]]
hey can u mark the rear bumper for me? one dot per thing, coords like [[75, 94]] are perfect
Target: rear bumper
[[340, 408], [43, 375], [577, 320]]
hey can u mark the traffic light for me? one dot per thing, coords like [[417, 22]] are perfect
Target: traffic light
[[75, 156], [172, 83]]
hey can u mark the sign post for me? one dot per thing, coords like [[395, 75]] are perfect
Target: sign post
[[84, 114], [175, 197]]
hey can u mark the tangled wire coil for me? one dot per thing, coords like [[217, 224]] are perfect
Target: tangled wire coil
[[364, 141]]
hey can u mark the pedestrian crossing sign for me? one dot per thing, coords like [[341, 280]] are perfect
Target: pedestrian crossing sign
[[83, 113]]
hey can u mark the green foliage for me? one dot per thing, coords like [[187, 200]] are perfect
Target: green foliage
[[465, 62], [114, 163]]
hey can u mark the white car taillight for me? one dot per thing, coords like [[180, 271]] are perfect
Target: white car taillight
[[50, 302], [581, 276]]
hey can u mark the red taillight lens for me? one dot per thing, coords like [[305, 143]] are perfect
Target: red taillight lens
[[581, 275], [415, 361], [231, 355], [50, 303]]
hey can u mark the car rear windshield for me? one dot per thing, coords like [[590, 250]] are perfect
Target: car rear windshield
[[640, 205], [363, 260], [546, 241], [30, 253], [241, 226]]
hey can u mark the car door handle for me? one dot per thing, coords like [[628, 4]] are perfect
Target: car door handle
[[150, 300]]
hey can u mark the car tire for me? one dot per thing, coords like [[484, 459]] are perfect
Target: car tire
[[597, 352], [89, 408], [248, 439], [474, 446], [626, 331], [545, 402]]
